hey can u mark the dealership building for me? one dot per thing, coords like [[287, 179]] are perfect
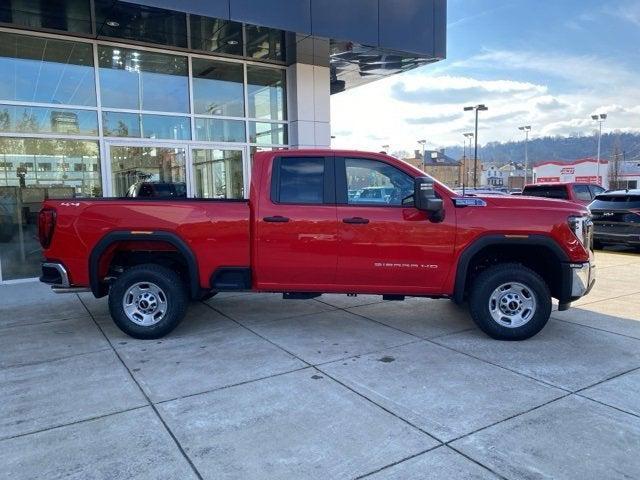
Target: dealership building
[[100, 97]]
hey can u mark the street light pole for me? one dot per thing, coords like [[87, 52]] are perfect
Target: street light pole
[[465, 173], [526, 129], [600, 118], [477, 108], [424, 162]]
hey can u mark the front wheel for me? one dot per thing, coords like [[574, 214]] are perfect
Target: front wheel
[[148, 301], [510, 302]]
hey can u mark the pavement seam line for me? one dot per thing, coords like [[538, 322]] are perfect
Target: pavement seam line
[[54, 359], [393, 464], [75, 422], [150, 403], [339, 382], [594, 328], [373, 402], [473, 460], [309, 364], [430, 340]]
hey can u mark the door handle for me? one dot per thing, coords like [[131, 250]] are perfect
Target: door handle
[[356, 220], [276, 219]]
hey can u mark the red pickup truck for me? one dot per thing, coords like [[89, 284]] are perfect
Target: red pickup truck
[[308, 228]]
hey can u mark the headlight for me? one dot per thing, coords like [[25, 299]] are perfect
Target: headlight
[[582, 228]]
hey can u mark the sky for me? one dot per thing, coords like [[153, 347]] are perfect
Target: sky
[[550, 64]]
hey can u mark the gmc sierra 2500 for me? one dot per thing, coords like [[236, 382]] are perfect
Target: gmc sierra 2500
[[311, 225]]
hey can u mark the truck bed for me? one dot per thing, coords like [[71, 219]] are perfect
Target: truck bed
[[217, 229]]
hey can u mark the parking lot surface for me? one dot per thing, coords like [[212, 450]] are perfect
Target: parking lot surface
[[253, 386]]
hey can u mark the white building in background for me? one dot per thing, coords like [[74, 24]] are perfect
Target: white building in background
[[582, 171]]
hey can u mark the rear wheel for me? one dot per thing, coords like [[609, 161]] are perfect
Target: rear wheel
[[510, 302], [148, 301]]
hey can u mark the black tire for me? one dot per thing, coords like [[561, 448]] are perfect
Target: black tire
[[597, 245], [493, 277], [172, 294]]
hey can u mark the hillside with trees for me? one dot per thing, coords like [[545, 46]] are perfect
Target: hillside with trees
[[558, 148]]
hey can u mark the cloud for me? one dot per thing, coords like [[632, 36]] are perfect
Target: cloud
[[452, 90], [429, 120], [628, 11], [550, 104], [590, 71]]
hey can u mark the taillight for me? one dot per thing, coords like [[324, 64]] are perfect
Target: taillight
[[46, 224]]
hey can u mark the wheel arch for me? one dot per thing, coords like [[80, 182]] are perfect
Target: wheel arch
[[514, 248], [99, 289]]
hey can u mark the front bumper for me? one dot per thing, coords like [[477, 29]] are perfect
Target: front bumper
[[577, 281], [583, 277]]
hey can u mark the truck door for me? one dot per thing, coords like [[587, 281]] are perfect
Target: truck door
[[296, 225], [387, 246]]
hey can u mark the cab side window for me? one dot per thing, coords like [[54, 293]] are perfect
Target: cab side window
[[595, 190], [582, 192], [371, 182], [299, 180]]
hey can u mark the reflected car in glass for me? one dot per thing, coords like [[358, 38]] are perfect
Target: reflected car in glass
[[157, 190]]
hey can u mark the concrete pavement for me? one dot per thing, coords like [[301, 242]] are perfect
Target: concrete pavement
[[252, 386]]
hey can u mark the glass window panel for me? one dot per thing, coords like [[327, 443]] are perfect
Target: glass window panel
[[265, 43], [141, 23], [141, 80], [378, 183], [267, 133], [266, 91], [218, 130], [218, 173], [67, 15], [148, 171], [15, 118], [46, 70], [118, 124], [216, 35], [32, 170], [218, 88], [166, 126], [301, 180]]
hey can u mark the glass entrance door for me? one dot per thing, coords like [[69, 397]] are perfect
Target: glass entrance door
[[138, 170], [219, 173]]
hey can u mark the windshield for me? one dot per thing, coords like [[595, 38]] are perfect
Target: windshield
[[613, 202]]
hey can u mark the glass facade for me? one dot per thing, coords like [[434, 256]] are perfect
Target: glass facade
[[89, 118]]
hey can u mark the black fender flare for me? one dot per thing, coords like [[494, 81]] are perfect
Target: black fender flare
[[109, 239], [491, 240]]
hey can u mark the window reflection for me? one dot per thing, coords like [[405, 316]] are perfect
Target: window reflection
[[148, 171], [141, 23], [218, 88], [47, 120], [265, 43], [216, 35], [166, 126], [46, 70], [118, 124], [31, 171], [267, 133], [217, 130], [66, 15], [266, 89], [140, 80], [218, 173]]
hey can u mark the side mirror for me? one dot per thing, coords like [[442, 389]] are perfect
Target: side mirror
[[425, 199]]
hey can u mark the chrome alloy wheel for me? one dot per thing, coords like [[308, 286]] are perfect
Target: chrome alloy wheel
[[145, 303], [512, 304]]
